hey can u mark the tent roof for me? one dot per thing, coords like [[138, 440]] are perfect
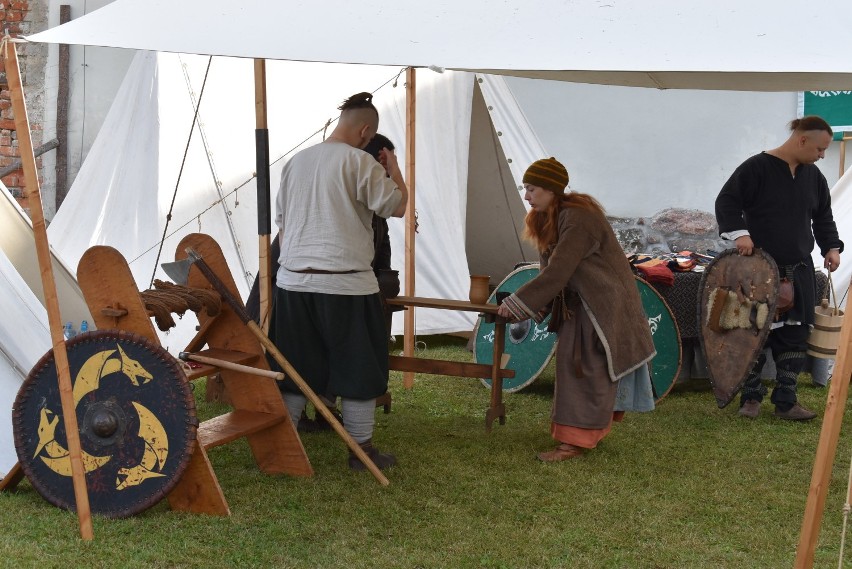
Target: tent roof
[[761, 45]]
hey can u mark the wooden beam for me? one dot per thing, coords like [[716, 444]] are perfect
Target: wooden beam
[[445, 367], [264, 279], [410, 217], [69, 413], [826, 449], [62, 98]]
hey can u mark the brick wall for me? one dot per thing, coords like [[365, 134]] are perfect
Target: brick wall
[[14, 17]]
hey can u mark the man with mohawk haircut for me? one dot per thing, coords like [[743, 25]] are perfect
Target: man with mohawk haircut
[[327, 319]]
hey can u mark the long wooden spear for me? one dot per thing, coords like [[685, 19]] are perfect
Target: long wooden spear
[[54, 318]]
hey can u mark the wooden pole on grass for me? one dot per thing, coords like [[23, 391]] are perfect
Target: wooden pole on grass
[[838, 391], [410, 218], [69, 413]]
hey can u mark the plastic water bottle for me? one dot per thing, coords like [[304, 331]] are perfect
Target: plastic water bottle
[[69, 330], [84, 327]]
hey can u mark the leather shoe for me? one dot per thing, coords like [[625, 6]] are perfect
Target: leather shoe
[[382, 460], [562, 452], [750, 409], [795, 413]]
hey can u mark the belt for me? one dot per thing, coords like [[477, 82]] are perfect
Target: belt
[[322, 272]]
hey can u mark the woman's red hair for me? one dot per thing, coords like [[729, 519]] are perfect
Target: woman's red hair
[[542, 228]]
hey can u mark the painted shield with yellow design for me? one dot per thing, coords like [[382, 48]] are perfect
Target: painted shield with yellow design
[[136, 419]]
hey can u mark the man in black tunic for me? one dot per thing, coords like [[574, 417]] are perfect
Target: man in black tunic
[[779, 201]]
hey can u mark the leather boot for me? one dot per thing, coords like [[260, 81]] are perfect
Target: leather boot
[[562, 452], [382, 460]]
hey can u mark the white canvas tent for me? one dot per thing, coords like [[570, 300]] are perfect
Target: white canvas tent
[[841, 206], [714, 44], [24, 332], [469, 208], [17, 243]]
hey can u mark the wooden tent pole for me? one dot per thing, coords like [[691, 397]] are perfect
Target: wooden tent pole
[[69, 413], [410, 218], [264, 224], [826, 449]]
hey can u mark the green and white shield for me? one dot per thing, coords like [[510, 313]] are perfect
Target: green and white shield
[[530, 345], [665, 367]]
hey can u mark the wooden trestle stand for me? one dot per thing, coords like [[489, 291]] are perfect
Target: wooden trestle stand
[[259, 413]]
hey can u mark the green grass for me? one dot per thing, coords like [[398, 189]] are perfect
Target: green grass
[[686, 486]]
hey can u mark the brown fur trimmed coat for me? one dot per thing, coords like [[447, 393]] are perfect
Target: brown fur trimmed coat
[[589, 261]]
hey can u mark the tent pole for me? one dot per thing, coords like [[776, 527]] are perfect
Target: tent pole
[[69, 413], [410, 218], [264, 225], [846, 136], [826, 450]]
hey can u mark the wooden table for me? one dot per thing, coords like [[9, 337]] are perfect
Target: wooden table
[[495, 371]]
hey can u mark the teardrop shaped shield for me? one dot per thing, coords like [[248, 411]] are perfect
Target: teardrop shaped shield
[[736, 304]]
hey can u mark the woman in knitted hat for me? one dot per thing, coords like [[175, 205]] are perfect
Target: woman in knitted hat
[[587, 287]]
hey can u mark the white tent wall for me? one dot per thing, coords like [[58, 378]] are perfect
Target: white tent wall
[[643, 150], [841, 204], [18, 244], [124, 190], [125, 187], [94, 76], [24, 339]]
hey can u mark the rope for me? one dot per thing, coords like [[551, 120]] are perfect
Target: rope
[[169, 298], [180, 173], [846, 510]]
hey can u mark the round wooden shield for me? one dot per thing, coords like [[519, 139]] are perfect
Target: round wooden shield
[[136, 420], [665, 367], [530, 345]]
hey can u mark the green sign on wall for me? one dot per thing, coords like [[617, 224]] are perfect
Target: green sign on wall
[[834, 106]]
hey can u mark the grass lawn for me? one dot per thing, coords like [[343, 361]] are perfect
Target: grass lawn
[[686, 486]]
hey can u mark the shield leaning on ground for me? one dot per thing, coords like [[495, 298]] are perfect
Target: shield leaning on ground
[[737, 299], [530, 345], [136, 420], [665, 367]]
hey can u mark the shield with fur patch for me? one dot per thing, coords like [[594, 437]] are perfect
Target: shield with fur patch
[[736, 304]]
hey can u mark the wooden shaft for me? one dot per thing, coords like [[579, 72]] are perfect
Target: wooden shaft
[[271, 348], [496, 378], [264, 278], [66, 396], [225, 364], [826, 449], [317, 402], [264, 281], [410, 217]]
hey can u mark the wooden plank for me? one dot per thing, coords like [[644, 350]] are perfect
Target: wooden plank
[[444, 367], [198, 490], [12, 478], [410, 215], [826, 449], [200, 339], [442, 303], [111, 293], [234, 425], [278, 448], [62, 104]]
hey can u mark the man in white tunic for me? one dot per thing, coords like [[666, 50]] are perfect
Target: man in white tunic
[[328, 320]]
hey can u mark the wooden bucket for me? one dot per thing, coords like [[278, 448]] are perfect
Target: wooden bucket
[[825, 335]]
